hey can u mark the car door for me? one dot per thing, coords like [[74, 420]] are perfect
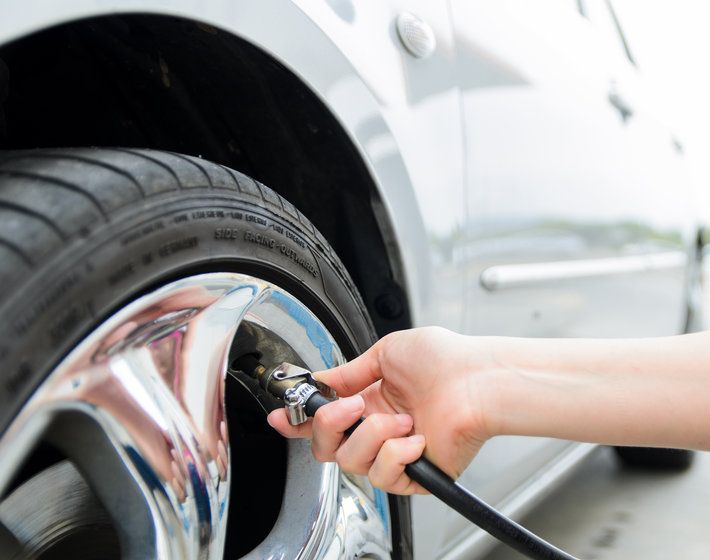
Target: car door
[[564, 193], [563, 236]]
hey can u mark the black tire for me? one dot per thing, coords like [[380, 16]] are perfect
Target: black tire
[[652, 458], [662, 459], [84, 231]]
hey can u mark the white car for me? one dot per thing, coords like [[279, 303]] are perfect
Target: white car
[[490, 166]]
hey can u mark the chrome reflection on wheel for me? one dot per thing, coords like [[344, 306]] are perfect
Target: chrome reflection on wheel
[[139, 408]]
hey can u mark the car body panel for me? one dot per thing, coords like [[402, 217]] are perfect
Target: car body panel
[[498, 157], [396, 123]]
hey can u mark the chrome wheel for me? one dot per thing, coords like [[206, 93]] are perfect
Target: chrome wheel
[[138, 412]]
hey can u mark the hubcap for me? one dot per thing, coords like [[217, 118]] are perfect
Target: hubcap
[[139, 408]]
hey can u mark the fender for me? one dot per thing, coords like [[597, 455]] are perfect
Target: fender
[[401, 114]]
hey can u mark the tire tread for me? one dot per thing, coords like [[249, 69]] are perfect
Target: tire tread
[[13, 173], [17, 250], [146, 156], [46, 220], [75, 157], [181, 170]]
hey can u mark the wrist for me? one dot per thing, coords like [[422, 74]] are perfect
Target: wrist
[[620, 392], [491, 374], [528, 386]]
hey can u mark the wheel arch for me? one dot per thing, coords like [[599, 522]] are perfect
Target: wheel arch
[[226, 94]]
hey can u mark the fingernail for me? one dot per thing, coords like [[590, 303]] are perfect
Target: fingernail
[[404, 419], [352, 404], [417, 439], [269, 417]]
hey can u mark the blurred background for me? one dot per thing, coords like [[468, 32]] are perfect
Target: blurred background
[[670, 42]]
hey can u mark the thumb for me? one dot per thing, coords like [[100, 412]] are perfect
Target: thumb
[[354, 376]]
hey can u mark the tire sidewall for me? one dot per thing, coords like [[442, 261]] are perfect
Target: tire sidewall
[[148, 245]]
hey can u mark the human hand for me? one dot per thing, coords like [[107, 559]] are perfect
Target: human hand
[[415, 388]]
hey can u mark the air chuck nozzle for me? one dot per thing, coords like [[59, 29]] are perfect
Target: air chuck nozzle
[[292, 384], [277, 379]]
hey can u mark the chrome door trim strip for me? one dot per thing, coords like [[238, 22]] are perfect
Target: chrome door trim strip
[[504, 276]]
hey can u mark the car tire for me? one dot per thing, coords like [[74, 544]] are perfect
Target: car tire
[[84, 232], [662, 459], [672, 460]]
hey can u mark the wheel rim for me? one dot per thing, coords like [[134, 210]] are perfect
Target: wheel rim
[[139, 408]]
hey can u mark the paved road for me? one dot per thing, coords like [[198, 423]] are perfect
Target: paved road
[[608, 512]]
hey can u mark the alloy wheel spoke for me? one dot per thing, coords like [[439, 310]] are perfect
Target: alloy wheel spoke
[[139, 408]]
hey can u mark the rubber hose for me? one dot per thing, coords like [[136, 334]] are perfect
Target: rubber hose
[[441, 485]]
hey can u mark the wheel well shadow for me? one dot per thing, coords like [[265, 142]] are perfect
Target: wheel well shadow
[[174, 84]]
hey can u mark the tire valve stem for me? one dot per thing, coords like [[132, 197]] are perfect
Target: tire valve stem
[[294, 385]]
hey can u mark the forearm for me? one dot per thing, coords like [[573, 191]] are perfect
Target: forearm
[[652, 392]]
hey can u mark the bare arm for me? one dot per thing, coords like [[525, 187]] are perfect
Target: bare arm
[[651, 392], [458, 391]]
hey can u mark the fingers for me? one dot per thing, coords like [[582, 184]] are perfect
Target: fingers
[[278, 420], [354, 376], [326, 429], [387, 471], [358, 452], [330, 423], [376, 449]]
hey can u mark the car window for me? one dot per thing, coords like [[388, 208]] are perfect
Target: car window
[[604, 18]]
